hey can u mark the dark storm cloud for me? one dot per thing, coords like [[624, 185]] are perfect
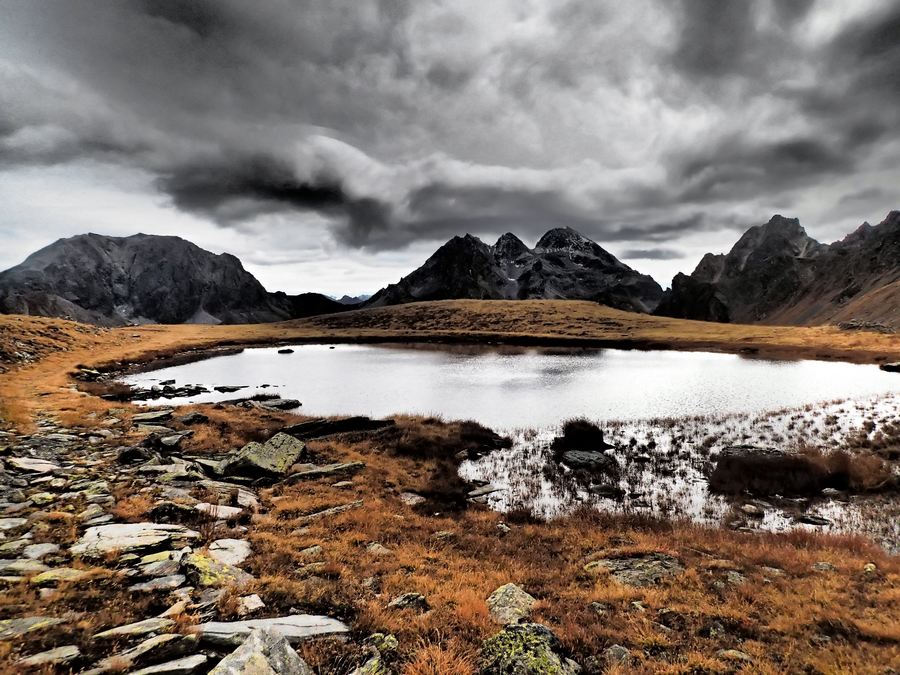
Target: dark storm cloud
[[733, 168], [265, 182], [398, 121]]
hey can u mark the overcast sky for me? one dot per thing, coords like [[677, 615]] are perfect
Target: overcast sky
[[333, 145]]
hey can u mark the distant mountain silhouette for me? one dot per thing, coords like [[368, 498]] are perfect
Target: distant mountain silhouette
[[776, 273], [145, 278], [563, 265]]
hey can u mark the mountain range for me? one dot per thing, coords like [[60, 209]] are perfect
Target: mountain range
[[775, 274], [563, 265], [144, 278]]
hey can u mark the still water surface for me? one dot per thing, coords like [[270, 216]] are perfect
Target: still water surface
[[507, 389]]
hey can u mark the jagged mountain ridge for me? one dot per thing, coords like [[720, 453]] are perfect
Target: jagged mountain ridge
[[563, 265], [777, 274], [145, 279]]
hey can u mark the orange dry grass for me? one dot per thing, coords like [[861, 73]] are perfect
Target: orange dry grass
[[780, 621], [773, 618]]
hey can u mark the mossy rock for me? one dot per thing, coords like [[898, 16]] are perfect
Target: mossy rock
[[207, 572], [273, 458], [525, 649]]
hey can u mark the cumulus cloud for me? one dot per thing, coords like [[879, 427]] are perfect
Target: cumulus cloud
[[397, 122]]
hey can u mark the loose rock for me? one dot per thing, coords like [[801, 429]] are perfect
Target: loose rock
[[510, 604], [263, 651]]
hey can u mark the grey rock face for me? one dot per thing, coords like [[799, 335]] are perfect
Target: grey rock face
[[563, 265], [263, 652], [776, 273], [145, 279]]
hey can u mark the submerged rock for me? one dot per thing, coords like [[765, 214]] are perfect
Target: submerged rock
[[525, 649], [593, 461], [263, 651]]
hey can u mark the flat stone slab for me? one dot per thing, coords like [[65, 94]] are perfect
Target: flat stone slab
[[230, 551], [160, 584], [312, 472], [13, 628], [12, 523], [218, 511], [59, 575], [137, 629], [294, 628], [153, 416], [31, 465], [333, 511], [185, 666], [129, 537], [52, 657]]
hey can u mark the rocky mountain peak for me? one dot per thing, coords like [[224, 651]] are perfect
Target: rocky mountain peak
[[564, 265], [563, 238], [509, 247], [144, 279]]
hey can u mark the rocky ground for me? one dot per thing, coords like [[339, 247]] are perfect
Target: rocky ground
[[125, 548]]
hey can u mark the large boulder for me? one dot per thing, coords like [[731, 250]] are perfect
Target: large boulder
[[263, 653], [270, 459], [525, 649], [582, 448]]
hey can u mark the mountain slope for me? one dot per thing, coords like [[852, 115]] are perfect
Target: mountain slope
[[563, 265], [776, 273], [144, 279]]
